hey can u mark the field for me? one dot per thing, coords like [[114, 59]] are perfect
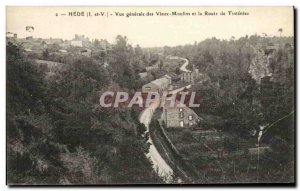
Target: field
[[214, 155]]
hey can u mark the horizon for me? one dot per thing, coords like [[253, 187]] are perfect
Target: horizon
[[150, 32], [92, 39]]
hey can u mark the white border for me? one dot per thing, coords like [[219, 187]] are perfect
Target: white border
[[5, 3]]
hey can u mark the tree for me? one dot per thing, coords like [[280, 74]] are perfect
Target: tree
[[161, 64], [96, 43], [280, 31], [177, 71], [25, 85], [27, 123], [120, 63], [138, 51], [46, 54]]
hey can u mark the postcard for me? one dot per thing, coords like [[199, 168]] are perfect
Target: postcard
[[150, 95]]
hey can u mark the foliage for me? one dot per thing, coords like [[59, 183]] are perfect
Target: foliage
[[56, 133], [250, 84]]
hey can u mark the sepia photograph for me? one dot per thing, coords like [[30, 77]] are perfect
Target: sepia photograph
[[150, 95]]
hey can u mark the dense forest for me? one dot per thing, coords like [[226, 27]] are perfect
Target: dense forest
[[56, 133], [249, 86]]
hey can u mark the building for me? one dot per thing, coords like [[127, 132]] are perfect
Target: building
[[272, 47], [52, 66], [149, 68], [86, 52], [80, 41], [189, 76], [105, 64], [143, 75], [157, 85], [179, 116], [33, 45], [169, 78], [62, 51], [104, 45], [65, 45], [52, 41], [29, 38], [77, 43], [11, 35]]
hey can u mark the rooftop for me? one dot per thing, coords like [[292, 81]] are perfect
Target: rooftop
[[160, 81]]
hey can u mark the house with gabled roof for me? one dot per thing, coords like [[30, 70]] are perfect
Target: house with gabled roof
[[158, 85], [179, 115]]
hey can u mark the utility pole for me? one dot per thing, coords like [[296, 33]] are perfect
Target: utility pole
[[261, 128], [266, 127]]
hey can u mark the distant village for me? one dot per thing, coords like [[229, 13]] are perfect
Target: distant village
[[80, 44]]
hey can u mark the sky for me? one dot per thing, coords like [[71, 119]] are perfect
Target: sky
[[150, 31]]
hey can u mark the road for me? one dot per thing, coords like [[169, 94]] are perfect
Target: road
[[183, 67], [159, 164]]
